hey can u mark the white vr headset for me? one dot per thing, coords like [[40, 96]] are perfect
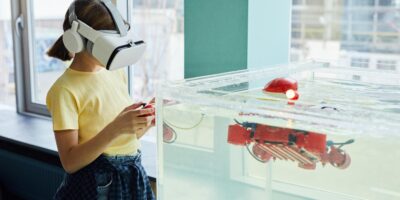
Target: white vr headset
[[113, 49]]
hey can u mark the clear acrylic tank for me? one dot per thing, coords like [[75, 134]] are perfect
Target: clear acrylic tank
[[224, 137]]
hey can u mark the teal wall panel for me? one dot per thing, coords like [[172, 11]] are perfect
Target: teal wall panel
[[215, 36]]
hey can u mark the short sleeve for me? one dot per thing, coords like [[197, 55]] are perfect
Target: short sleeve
[[63, 108]]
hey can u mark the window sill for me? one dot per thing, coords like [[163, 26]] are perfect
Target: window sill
[[33, 137]]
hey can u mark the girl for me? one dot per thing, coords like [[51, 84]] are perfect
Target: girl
[[96, 127]]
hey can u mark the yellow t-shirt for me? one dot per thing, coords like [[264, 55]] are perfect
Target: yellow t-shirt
[[88, 101]]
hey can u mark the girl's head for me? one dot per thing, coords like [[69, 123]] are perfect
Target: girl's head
[[93, 13]]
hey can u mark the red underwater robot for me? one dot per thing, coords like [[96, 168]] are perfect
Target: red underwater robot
[[304, 147]]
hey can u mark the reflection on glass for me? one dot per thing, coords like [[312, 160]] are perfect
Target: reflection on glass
[[47, 28], [195, 129], [7, 86]]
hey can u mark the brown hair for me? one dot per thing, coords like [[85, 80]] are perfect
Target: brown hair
[[93, 13]]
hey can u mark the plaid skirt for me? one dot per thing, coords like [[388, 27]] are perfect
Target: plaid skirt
[[108, 177]]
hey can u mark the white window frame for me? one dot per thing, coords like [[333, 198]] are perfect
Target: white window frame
[[22, 24]]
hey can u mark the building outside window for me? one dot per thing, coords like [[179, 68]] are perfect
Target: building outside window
[[360, 62], [347, 30], [386, 65], [7, 84]]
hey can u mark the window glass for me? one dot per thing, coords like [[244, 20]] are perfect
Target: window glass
[[7, 86], [47, 28], [348, 31], [160, 24], [295, 2], [363, 2], [360, 62], [386, 65], [314, 2], [387, 2]]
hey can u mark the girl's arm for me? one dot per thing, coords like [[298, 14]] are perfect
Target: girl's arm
[[75, 156]]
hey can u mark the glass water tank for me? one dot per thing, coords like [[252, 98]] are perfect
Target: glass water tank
[[312, 130]]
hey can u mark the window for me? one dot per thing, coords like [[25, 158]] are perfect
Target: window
[[386, 65], [296, 34], [346, 30], [363, 2], [160, 23], [7, 86], [360, 62], [296, 2], [47, 28], [387, 2], [362, 16], [356, 77], [314, 2], [39, 29], [361, 34]]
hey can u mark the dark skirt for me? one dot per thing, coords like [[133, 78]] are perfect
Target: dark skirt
[[108, 177]]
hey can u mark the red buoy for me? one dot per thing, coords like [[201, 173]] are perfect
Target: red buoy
[[286, 86], [281, 85]]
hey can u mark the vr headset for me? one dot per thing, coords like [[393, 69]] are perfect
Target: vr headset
[[113, 49]]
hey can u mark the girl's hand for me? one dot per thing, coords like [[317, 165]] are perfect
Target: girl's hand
[[151, 104], [131, 120]]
